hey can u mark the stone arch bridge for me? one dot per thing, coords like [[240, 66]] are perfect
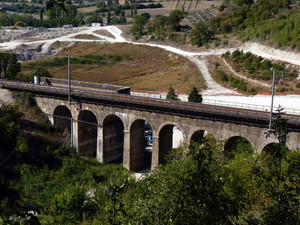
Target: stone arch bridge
[[111, 126]]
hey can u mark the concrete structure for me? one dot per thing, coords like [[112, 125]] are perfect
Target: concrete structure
[[119, 132], [108, 88], [111, 127], [96, 25]]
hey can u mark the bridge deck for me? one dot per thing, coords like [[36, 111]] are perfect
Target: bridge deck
[[184, 109]]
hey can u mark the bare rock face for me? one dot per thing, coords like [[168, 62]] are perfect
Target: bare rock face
[[29, 52], [6, 97]]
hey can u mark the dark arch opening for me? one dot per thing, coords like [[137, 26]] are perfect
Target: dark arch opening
[[113, 139], [87, 133], [140, 145], [167, 141], [62, 117], [274, 149], [198, 136], [237, 144]]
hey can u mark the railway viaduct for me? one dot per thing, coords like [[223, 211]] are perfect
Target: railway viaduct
[[111, 126]]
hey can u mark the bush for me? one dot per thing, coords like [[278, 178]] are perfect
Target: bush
[[226, 55], [281, 89], [252, 90], [223, 76]]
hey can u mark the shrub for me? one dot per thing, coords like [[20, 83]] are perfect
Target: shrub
[[225, 42], [223, 76], [252, 90], [226, 55], [281, 89]]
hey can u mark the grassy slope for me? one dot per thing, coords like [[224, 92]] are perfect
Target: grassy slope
[[146, 68]]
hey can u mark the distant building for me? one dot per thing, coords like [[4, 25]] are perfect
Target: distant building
[[96, 24], [68, 26]]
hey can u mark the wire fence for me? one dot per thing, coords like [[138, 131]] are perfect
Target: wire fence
[[230, 104]]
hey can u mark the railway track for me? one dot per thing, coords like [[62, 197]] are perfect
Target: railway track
[[183, 109]]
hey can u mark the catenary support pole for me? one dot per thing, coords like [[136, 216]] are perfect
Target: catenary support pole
[[72, 134], [69, 80], [271, 110]]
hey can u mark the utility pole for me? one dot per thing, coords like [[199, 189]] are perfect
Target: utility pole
[[69, 80], [72, 134], [69, 98], [2, 69], [271, 110]]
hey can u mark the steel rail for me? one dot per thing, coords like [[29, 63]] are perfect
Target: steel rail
[[179, 108]]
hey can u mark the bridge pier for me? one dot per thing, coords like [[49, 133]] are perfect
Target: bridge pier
[[99, 150], [155, 153], [75, 136], [126, 150]]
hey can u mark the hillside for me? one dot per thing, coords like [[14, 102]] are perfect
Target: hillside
[[139, 67]]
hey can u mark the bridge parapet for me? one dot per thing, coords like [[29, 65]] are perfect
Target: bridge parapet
[[109, 88], [119, 119]]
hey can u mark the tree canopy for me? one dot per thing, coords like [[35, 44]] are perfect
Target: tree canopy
[[200, 34], [9, 65], [194, 96], [171, 94]]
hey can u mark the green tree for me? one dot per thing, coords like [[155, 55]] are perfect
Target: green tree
[[41, 72], [137, 27], [244, 2], [108, 18], [284, 207], [41, 14], [174, 19], [131, 11], [80, 18], [171, 94], [185, 191], [194, 96], [94, 19], [123, 19], [9, 65], [52, 3], [135, 10], [201, 34]]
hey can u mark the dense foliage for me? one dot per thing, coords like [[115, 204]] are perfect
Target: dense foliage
[[194, 96], [159, 27], [201, 184], [275, 21], [255, 67], [57, 17], [171, 94], [9, 65]]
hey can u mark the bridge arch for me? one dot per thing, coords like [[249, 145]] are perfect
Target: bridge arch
[[140, 144], [237, 143], [87, 133], [62, 117], [196, 134], [113, 139], [166, 140], [270, 146]]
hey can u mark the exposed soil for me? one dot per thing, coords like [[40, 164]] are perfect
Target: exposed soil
[[147, 68], [138, 67], [104, 33]]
